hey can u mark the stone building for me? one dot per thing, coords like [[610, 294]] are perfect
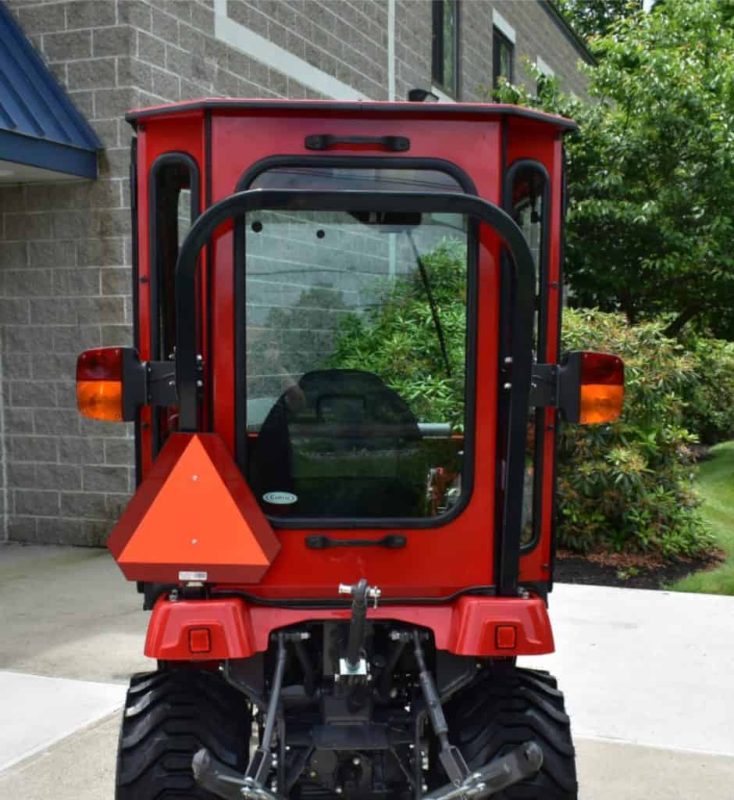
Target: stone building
[[65, 249]]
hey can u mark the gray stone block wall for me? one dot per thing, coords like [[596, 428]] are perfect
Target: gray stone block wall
[[538, 34], [65, 251]]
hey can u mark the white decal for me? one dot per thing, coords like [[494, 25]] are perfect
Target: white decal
[[193, 576], [280, 498]]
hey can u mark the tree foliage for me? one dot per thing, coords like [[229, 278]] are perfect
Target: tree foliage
[[397, 340], [651, 173], [624, 486], [592, 18], [709, 410], [628, 485]]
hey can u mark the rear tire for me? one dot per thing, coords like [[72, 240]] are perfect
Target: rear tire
[[168, 716], [506, 707]]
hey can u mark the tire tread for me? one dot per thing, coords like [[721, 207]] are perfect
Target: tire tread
[[508, 706], [168, 716]]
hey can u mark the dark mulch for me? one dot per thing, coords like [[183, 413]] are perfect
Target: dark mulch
[[633, 572]]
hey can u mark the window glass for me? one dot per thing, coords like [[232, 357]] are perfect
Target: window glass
[[528, 211], [446, 45], [174, 209], [330, 178], [356, 332], [503, 56]]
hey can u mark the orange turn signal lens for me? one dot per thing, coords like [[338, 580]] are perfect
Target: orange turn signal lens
[[602, 388], [600, 403], [100, 400], [99, 384]]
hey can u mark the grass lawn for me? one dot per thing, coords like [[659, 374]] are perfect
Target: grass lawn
[[716, 483]]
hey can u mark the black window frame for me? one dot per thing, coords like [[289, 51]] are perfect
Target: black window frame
[[541, 341], [361, 162], [438, 47], [522, 281], [499, 41], [156, 266]]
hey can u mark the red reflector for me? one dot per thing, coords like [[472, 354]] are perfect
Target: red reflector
[[602, 368], [100, 364], [506, 637], [200, 640]]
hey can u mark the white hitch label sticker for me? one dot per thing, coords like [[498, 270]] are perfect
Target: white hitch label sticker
[[280, 498]]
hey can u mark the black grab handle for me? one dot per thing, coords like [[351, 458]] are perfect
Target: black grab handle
[[392, 542], [325, 141]]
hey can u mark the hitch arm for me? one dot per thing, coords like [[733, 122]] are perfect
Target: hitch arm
[[225, 782], [520, 763]]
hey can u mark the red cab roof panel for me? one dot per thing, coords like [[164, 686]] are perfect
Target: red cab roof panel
[[324, 107]]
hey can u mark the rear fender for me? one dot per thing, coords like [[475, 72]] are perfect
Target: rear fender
[[228, 628]]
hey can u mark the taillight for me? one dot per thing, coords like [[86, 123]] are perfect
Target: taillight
[[602, 388], [99, 384]]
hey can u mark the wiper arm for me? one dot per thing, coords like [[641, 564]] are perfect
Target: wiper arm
[[431, 302]]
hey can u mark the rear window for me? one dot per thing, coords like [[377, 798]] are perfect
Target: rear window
[[356, 361]]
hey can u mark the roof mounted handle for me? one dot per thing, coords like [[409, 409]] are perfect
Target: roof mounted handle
[[326, 141]]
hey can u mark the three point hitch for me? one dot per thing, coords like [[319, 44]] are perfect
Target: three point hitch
[[522, 762]]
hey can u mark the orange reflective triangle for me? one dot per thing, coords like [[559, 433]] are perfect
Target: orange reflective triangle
[[194, 513]]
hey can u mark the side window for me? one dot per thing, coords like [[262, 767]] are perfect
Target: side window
[[174, 205], [503, 57], [445, 56], [528, 201]]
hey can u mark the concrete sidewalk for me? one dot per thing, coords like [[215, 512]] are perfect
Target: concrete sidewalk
[[649, 678]]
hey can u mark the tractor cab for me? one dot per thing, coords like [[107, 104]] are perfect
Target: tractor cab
[[346, 386]]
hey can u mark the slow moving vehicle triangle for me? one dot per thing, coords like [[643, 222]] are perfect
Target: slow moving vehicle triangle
[[194, 518]]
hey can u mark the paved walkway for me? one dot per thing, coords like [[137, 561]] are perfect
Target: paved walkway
[[649, 678]]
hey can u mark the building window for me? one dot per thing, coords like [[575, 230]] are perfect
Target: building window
[[503, 57], [446, 46], [546, 73]]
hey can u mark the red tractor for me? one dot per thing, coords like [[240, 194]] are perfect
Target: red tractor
[[346, 388]]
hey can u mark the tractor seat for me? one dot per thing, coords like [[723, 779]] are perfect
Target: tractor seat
[[340, 444]]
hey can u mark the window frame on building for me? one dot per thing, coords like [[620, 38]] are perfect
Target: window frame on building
[[500, 42], [438, 50]]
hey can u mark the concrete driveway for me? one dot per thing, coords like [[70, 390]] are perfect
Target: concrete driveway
[[649, 678]]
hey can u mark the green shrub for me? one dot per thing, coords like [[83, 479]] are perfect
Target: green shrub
[[628, 485], [622, 486], [397, 340], [709, 408]]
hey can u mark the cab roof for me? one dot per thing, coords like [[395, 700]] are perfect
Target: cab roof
[[329, 107]]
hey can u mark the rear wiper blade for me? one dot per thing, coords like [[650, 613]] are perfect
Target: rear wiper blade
[[431, 301]]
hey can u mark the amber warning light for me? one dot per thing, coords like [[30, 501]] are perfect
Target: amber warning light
[[99, 384], [110, 383], [602, 388]]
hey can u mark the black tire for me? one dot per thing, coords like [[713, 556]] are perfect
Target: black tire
[[506, 707], [168, 716]]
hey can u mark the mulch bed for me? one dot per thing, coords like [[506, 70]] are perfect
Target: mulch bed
[[631, 571]]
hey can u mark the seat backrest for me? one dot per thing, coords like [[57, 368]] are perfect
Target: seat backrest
[[344, 445]]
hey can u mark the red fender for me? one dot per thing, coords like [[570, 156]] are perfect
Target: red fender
[[219, 629]]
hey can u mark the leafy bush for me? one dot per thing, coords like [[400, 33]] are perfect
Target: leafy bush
[[398, 342], [623, 486], [628, 485], [709, 410]]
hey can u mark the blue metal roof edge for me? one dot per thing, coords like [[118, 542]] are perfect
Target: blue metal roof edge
[[77, 155], [47, 154]]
